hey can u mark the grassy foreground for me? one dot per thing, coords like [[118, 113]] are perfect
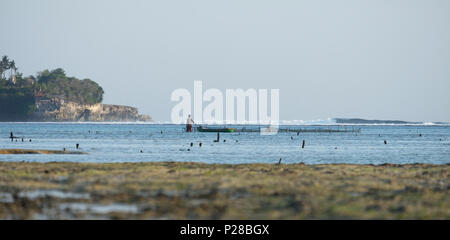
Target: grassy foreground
[[175, 190]]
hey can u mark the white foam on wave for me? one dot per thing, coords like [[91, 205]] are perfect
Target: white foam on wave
[[328, 121], [332, 121]]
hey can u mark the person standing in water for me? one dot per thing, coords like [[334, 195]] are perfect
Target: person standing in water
[[189, 123]]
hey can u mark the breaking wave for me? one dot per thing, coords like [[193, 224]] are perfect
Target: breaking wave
[[328, 121]]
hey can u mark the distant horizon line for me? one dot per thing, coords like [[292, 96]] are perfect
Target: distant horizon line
[[328, 121]]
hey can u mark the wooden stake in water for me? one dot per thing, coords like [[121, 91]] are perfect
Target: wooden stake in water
[[218, 137], [303, 144]]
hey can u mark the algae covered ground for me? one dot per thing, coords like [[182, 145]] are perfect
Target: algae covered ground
[[37, 151], [180, 190]]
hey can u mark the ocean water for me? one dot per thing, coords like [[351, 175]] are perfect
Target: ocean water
[[118, 142]]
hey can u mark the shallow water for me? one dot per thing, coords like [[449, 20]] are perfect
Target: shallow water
[[52, 193], [123, 142], [98, 208]]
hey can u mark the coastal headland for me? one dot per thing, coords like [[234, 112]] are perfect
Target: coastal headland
[[186, 190], [53, 96]]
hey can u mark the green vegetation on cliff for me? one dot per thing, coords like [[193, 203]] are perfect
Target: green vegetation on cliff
[[55, 83], [18, 94], [15, 103]]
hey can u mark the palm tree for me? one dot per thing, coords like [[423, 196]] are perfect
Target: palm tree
[[12, 66], [4, 65]]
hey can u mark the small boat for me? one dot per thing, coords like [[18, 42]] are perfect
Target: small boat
[[206, 129]]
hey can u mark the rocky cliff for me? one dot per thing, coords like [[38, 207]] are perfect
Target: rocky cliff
[[73, 112]]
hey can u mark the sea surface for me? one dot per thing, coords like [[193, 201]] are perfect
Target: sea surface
[[123, 142]]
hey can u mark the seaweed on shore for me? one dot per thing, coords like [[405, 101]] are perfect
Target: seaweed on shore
[[184, 190]]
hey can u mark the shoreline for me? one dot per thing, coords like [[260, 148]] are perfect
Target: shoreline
[[399, 165], [37, 151], [187, 190]]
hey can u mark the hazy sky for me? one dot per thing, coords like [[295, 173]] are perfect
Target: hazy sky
[[378, 59]]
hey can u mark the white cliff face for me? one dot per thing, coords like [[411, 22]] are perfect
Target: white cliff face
[[73, 112]]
